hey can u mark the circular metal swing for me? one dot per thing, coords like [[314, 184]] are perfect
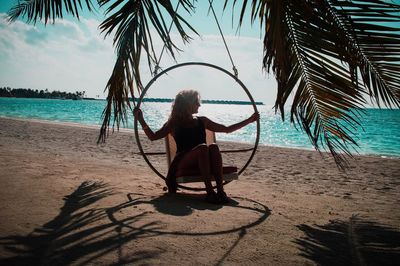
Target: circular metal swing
[[144, 91]]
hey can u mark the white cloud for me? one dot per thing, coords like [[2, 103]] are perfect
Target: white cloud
[[67, 56], [72, 56]]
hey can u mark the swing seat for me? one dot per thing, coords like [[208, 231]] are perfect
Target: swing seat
[[229, 173]]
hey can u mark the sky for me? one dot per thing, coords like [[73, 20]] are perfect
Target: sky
[[73, 55]]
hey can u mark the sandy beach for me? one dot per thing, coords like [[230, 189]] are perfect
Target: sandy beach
[[67, 201]]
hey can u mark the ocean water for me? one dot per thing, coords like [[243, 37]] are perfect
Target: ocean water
[[379, 134]]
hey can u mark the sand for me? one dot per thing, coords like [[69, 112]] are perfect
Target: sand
[[67, 201]]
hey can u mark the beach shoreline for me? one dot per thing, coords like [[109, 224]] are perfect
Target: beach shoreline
[[67, 200], [132, 131]]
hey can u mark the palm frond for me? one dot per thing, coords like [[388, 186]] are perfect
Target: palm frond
[[132, 23], [34, 10], [331, 54], [376, 47]]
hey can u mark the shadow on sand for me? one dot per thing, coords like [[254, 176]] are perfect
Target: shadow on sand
[[183, 204], [76, 232], [356, 242], [83, 232]]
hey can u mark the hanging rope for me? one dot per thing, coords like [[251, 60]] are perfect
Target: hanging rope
[[223, 38], [157, 66]]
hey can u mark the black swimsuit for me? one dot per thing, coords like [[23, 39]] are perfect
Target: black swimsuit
[[186, 138]]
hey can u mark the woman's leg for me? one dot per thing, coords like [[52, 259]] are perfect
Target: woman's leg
[[216, 165], [198, 157], [216, 170]]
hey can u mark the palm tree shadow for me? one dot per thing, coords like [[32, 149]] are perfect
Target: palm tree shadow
[[75, 233], [356, 242], [82, 233]]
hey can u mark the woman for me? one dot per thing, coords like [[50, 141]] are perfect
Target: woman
[[190, 137]]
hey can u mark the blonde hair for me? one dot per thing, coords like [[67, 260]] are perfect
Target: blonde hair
[[182, 106]]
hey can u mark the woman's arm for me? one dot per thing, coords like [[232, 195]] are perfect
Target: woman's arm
[[211, 125], [161, 133]]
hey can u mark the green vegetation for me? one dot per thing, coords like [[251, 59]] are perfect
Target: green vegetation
[[29, 93]]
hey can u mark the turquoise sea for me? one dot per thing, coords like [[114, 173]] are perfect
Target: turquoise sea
[[379, 135]]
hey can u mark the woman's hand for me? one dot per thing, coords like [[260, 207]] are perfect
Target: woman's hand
[[138, 114]]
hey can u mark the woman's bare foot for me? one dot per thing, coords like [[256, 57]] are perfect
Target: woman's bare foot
[[212, 197], [222, 197]]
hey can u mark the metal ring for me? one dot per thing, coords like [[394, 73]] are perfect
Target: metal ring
[[144, 91]]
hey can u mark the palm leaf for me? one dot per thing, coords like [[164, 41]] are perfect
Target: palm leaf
[[331, 54], [132, 23], [34, 10]]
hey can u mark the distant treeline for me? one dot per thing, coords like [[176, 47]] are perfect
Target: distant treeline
[[166, 100], [29, 93]]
